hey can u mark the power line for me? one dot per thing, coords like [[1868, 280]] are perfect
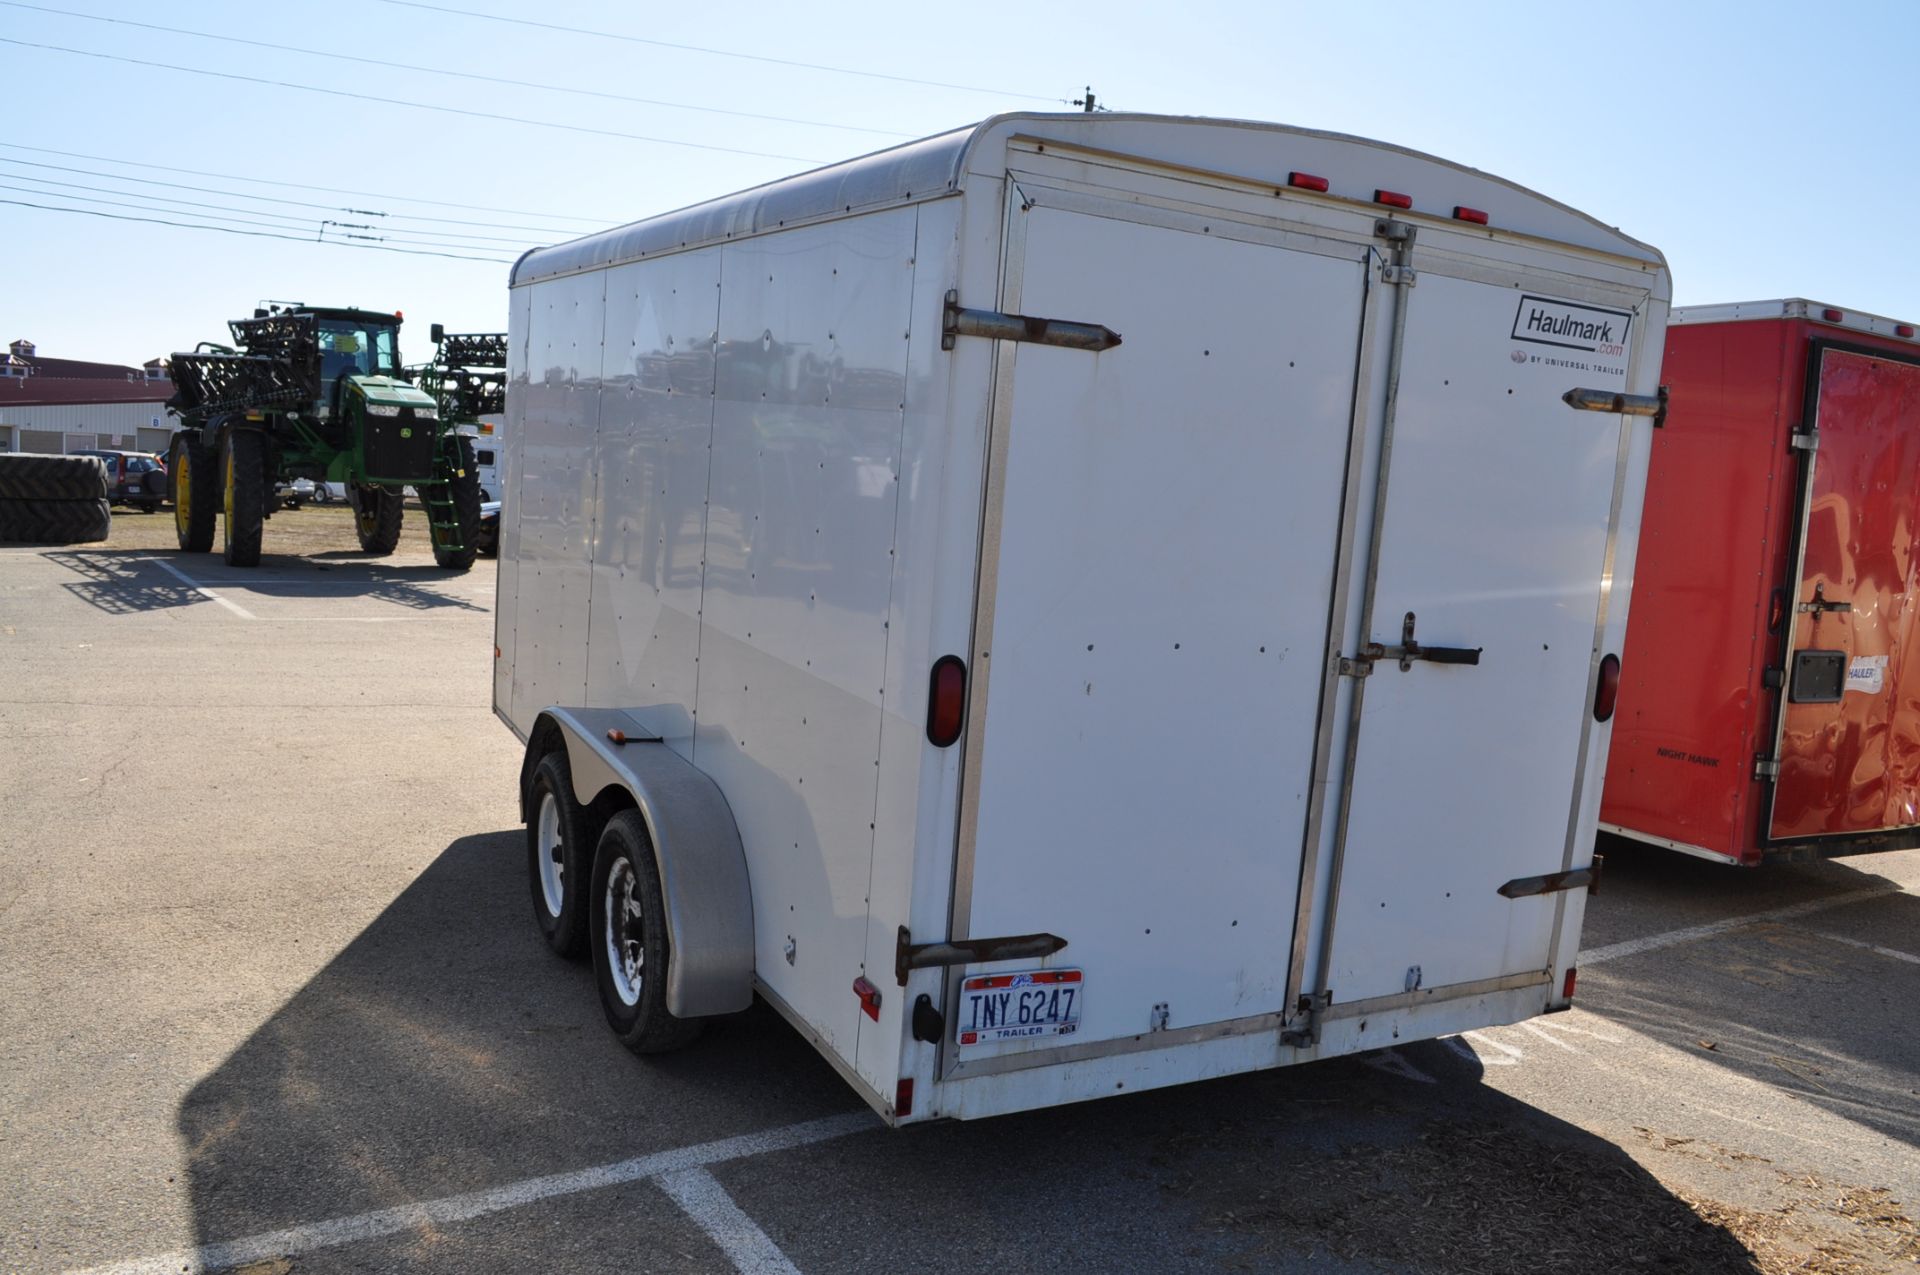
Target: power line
[[240, 194], [250, 221], [436, 235], [332, 190], [256, 234], [719, 53], [463, 75], [395, 101]]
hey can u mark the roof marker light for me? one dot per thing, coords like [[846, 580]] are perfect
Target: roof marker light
[[1463, 213], [1832, 315], [1307, 181], [1392, 199], [1903, 329]]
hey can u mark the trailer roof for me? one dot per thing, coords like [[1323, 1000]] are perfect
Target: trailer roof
[[1792, 308], [938, 166]]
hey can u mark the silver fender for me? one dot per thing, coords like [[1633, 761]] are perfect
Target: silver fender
[[703, 870]]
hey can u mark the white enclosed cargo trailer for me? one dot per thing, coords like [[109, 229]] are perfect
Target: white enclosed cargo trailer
[[1076, 604]]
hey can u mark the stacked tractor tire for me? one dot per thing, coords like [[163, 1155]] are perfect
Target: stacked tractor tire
[[53, 500]]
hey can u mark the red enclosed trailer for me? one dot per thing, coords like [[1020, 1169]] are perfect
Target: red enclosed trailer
[[1769, 701]]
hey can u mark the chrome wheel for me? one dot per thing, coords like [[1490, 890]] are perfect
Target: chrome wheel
[[553, 864], [626, 935]]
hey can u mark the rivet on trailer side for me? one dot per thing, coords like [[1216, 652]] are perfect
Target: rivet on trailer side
[[1076, 604]]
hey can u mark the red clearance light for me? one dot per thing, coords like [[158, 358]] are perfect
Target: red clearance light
[[903, 1097], [1392, 199], [869, 998], [1903, 329], [1307, 181], [1566, 988], [617, 736], [1463, 213], [1833, 316], [1608, 691], [946, 700]]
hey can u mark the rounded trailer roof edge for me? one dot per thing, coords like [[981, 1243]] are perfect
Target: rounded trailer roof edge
[[935, 167]]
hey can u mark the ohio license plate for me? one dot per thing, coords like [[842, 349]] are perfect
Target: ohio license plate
[[1020, 1006]]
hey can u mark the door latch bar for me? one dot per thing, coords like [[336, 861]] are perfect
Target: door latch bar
[[1406, 653], [1820, 605], [999, 326], [1548, 883]]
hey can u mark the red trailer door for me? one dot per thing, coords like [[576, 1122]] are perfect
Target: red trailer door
[[1848, 743]]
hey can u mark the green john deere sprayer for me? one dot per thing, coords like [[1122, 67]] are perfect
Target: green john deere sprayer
[[310, 392]]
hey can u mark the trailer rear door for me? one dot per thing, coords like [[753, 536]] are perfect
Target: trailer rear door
[[1848, 744], [1153, 637], [1500, 508]]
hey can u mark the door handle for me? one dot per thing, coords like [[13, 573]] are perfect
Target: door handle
[[1406, 653]]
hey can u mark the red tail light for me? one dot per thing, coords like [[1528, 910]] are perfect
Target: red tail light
[[946, 700], [1392, 199], [1566, 988], [1463, 213], [1608, 690], [1307, 181], [903, 1098]]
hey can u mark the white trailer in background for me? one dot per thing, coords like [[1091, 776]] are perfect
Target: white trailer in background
[[1076, 604]]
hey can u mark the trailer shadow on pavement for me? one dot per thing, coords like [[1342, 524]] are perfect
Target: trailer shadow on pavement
[[445, 1050], [1817, 1005], [131, 581]]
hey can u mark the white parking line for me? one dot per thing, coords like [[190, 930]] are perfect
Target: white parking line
[[1875, 948], [202, 589], [296, 1240], [1693, 933], [739, 1236]]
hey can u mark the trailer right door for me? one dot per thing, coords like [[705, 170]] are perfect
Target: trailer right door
[[1849, 732], [1496, 532]]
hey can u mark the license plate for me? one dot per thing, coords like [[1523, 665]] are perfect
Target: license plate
[[1022, 1006]]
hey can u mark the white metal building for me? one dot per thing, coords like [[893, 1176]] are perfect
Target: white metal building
[[66, 405]]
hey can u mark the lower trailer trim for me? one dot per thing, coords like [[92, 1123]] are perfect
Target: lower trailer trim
[[1445, 992]]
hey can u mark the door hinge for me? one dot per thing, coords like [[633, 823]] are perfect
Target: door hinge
[[1304, 1031], [1654, 405], [1766, 768], [1406, 653], [908, 955], [1806, 440], [999, 326]]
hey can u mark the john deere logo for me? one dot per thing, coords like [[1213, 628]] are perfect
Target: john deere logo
[[406, 432]]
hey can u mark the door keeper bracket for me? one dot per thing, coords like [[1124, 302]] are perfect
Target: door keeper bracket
[[959, 321], [908, 955]]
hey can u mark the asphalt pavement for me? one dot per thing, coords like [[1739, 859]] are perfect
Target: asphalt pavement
[[271, 999]]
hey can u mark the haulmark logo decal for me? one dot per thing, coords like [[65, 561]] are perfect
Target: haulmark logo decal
[[1567, 325]]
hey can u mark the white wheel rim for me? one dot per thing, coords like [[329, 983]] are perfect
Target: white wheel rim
[[626, 947], [553, 865]]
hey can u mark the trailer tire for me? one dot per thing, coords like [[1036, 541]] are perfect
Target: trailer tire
[[55, 522], [194, 491], [28, 476], [628, 935], [463, 489], [377, 512], [243, 479], [561, 836]]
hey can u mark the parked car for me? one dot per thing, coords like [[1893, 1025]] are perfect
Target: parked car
[[487, 544], [133, 478]]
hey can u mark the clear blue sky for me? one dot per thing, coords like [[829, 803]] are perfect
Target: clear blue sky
[[1767, 148]]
